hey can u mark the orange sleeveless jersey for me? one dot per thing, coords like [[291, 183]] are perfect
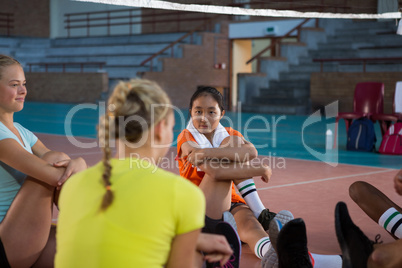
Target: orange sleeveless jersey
[[189, 172]]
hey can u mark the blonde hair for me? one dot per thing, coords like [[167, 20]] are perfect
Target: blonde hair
[[6, 61], [133, 98]]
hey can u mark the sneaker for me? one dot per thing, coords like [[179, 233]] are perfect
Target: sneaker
[[270, 259], [283, 217], [292, 246], [233, 239], [356, 247], [265, 218], [228, 217]]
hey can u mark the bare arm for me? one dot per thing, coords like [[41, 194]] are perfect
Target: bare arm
[[235, 171], [12, 154], [232, 149], [182, 252]]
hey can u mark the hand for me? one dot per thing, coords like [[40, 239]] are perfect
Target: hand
[[386, 255], [216, 247], [267, 174], [196, 157], [398, 182], [72, 166]]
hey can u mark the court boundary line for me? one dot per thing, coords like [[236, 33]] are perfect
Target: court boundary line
[[325, 179]]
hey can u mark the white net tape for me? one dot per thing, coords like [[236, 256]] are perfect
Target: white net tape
[[242, 11]]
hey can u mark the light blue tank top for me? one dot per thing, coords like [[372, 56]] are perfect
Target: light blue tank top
[[10, 178]]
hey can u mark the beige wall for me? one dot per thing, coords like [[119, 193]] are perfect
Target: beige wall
[[66, 87], [241, 53], [329, 87]]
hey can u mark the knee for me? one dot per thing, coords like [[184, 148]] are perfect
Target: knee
[[358, 189], [53, 157]]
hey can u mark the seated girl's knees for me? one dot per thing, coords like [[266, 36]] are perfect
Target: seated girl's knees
[[53, 156], [357, 189]]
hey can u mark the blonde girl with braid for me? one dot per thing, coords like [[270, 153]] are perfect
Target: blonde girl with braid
[[124, 211], [30, 175]]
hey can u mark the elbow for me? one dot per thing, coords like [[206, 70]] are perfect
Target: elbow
[[253, 153]]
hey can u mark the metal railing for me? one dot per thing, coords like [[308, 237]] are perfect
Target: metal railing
[[7, 22], [65, 64], [277, 39], [363, 61], [128, 17]]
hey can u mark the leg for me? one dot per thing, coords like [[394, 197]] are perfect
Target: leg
[[372, 201], [250, 230], [25, 228], [46, 259], [217, 195]]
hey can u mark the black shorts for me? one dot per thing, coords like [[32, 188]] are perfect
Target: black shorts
[[210, 224], [3, 258]]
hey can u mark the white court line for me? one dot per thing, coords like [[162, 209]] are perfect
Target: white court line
[[326, 179]]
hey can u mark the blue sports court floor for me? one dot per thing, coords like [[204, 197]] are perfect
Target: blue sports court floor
[[273, 135]]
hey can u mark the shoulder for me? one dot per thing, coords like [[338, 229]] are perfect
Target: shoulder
[[233, 132], [23, 130], [183, 137]]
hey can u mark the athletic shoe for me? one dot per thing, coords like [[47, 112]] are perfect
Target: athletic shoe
[[228, 217], [292, 246], [270, 259], [356, 247], [265, 218], [233, 239], [283, 217]]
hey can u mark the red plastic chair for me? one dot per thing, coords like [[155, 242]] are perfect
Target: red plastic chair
[[386, 120], [368, 100]]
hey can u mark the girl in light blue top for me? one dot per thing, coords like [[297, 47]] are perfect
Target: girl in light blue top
[[30, 177]]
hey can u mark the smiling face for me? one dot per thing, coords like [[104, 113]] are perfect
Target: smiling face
[[12, 88], [206, 114]]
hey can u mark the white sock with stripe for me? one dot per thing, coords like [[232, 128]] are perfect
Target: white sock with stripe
[[249, 192], [391, 220], [262, 246]]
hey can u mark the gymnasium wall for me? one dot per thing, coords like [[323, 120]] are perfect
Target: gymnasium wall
[[66, 87], [331, 86], [31, 17]]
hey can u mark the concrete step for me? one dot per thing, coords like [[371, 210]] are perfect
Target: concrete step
[[295, 75], [284, 92], [280, 101], [105, 51], [306, 67], [290, 84]]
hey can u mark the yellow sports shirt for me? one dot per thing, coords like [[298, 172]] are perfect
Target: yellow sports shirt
[[150, 207]]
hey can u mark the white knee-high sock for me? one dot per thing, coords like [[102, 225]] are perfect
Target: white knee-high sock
[[391, 220], [326, 261], [248, 191], [262, 246]]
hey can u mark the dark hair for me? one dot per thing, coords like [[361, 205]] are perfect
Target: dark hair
[[208, 91]]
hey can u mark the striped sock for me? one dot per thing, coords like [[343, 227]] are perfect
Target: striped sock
[[248, 191], [262, 246], [391, 220]]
